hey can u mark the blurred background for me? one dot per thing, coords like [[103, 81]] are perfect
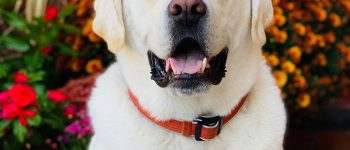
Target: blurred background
[[50, 57]]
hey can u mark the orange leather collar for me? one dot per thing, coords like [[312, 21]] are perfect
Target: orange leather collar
[[204, 128]]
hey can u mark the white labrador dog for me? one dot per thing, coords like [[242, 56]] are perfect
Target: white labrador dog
[[209, 87]]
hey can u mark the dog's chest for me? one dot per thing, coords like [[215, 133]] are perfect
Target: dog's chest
[[127, 128]]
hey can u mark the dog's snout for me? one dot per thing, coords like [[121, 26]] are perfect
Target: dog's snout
[[187, 12]]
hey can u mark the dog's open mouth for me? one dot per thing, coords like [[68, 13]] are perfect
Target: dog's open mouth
[[188, 64]]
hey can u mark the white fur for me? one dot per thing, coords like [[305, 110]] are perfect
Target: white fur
[[260, 125]]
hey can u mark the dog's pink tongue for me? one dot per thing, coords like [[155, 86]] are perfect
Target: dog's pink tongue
[[190, 63]]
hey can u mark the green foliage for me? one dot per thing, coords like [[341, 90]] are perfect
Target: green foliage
[[33, 48]]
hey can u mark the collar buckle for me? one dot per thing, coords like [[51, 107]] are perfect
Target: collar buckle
[[207, 127]]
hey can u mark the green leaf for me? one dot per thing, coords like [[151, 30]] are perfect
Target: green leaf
[[3, 70], [65, 49], [71, 28], [36, 121], [40, 89], [15, 43], [14, 19], [7, 2], [54, 121], [67, 11], [3, 125], [19, 131], [37, 76]]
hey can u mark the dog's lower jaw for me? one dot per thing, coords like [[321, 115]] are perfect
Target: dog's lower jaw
[[189, 88]]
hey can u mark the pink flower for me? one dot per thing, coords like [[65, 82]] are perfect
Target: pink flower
[[79, 128], [57, 96], [20, 77], [51, 13]]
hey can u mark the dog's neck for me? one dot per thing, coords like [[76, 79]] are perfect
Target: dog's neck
[[219, 100]]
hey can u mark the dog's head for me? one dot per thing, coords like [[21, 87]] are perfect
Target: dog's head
[[187, 41]]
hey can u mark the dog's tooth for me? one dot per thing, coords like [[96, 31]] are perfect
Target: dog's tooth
[[204, 64]]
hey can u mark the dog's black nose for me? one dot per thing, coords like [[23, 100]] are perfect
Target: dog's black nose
[[187, 12]]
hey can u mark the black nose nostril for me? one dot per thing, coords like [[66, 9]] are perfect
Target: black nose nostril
[[175, 10]]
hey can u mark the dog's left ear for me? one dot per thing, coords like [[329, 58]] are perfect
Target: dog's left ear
[[262, 14], [109, 23]]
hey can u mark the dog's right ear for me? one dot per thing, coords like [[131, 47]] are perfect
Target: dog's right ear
[[108, 23]]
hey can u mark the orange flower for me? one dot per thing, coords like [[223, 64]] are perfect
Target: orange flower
[[295, 53], [272, 60], [311, 38], [273, 30], [327, 3], [300, 81], [278, 10], [87, 31], [76, 65], [320, 41], [335, 20], [288, 66], [296, 15], [330, 37], [83, 7], [300, 29], [307, 16], [341, 47], [279, 20], [93, 37], [321, 59], [289, 6], [275, 2], [304, 100], [346, 5], [308, 49], [321, 14], [347, 55], [94, 66], [87, 27], [281, 37], [281, 78], [77, 43]]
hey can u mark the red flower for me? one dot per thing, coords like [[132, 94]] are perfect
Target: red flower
[[23, 114], [69, 110], [20, 77], [22, 95], [57, 96], [11, 109], [46, 50], [3, 97], [51, 13]]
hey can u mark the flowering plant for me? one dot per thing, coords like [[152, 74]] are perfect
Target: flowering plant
[[309, 49], [36, 57]]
